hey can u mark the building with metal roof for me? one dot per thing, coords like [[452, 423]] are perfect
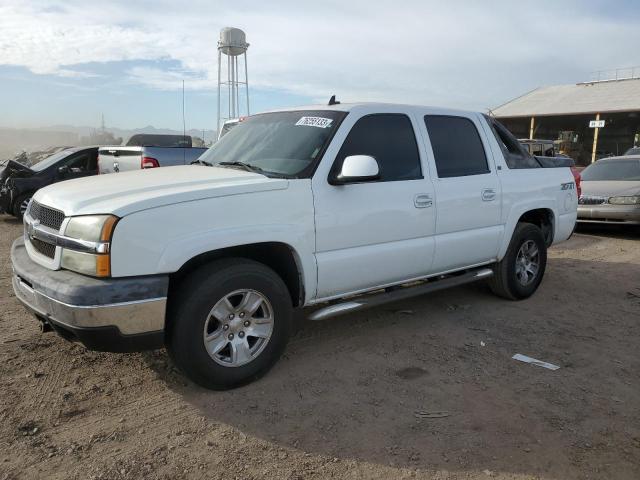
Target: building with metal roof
[[587, 120]]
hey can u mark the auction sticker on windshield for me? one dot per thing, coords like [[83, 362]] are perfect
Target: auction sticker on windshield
[[319, 122]]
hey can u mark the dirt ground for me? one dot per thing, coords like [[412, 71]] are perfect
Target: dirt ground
[[352, 397]]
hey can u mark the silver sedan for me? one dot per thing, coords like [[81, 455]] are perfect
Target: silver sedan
[[611, 191]]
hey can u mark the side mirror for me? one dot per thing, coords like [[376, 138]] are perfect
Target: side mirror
[[63, 170], [357, 168]]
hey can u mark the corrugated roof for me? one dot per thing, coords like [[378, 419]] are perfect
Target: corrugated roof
[[597, 97]]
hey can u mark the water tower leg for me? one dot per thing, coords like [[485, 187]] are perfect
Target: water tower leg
[[234, 85], [246, 81], [219, 78], [237, 89]]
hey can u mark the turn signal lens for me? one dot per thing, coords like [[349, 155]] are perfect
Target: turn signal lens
[[107, 228], [103, 265]]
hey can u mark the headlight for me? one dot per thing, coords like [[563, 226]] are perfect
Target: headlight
[[634, 200], [95, 232]]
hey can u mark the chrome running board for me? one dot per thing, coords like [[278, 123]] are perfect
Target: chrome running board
[[373, 300]]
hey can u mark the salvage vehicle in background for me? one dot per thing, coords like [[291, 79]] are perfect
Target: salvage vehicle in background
[[228, 125], [611, 191], [547, 149], [19, 182], [540, 148], [330, 209], [148, 151], [633, 151]]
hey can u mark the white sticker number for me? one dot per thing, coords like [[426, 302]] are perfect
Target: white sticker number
[[319, 122]]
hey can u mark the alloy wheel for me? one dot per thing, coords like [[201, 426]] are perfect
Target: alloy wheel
[[238, 328], [527, 263]]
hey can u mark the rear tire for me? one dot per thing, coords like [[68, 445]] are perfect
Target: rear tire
[[518, 275], [229, 323]]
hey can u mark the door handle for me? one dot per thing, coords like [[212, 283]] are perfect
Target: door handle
[[488, 194], [422, 200]]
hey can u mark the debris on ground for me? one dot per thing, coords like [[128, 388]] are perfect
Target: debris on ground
[[533, 361], [423, 414]]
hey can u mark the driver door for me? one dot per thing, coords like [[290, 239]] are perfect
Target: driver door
[[77, 166]]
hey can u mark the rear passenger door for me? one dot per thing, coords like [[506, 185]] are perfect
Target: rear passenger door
[[377, 232], [467, 192]]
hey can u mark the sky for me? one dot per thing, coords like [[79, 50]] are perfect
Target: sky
[[69, 62]]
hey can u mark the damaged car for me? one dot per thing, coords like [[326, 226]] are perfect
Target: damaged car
[[19, 182]]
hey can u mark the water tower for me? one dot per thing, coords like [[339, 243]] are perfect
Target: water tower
[[232, 44]]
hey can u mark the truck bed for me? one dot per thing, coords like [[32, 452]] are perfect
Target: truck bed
[[121, 159]]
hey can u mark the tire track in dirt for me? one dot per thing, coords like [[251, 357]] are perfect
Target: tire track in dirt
[[41, 399], [162, 404]]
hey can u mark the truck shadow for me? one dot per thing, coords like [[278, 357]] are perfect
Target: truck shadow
[[9, 220], [623, 232], [430, 384]]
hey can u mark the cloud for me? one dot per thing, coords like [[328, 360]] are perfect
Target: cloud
[[462, 54]]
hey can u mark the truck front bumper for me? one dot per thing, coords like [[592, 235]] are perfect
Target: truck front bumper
[[113, 314]]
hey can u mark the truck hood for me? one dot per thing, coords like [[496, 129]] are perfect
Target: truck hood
[[124, 193], [610, 188]]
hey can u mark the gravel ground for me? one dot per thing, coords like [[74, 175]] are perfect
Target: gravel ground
[[354, 397]]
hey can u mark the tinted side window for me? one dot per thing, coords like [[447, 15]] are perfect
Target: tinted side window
[[515, 154], [389, 138], [456, 145], [79, 161]]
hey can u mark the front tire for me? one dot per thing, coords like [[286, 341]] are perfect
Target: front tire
[[229, 323], [20, 205], [518, 275]]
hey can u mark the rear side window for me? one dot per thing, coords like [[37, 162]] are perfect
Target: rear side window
[[389, 138], [516, 155], [456, 145]]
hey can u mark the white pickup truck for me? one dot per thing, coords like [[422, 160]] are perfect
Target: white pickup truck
[[325, 210]]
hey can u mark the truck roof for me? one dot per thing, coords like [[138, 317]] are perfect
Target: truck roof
[[374, 106]]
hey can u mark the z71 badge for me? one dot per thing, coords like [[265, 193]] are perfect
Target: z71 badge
[[568, 186]]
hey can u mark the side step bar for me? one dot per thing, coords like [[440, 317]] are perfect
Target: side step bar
[[360, 303]]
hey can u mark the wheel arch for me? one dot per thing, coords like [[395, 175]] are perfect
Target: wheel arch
[[543, 217], [279, 256]]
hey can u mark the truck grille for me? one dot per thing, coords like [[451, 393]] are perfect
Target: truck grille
[[44, 248], [590, 200], [48, 217]]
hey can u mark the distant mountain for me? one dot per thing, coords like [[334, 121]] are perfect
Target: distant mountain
[[126, 133], [16, 140]]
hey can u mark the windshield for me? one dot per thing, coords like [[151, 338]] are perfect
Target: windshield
[[633, 151], [281, 143], [628, 170], [47, 162]]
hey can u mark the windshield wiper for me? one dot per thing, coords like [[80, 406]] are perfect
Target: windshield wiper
[[201, 162], [245, 166]]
